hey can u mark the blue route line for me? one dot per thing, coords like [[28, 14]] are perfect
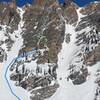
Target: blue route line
[[8, 81], [13, 61]]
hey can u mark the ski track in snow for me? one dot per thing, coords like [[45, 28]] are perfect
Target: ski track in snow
[[6, 85], [14, 52]]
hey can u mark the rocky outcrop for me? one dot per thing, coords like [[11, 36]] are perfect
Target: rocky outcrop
[[48, 24], [46, 92], [89, 38], [70, 13], [3, 55]]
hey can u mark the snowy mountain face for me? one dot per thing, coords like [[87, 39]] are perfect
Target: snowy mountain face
[[50, 51]]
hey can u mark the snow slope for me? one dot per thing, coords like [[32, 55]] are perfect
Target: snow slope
[[68, 91], [4, 90], [64, 59], [7, 88]]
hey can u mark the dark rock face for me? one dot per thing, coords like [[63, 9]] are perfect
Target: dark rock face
[[97, 82], [79, 77], [44, 93], [43, 3], [92, 12], [79, 80], [9, 17], [88, 38], [70, 13], [90, 8], [9, 20], [44, 28], [48, 24], [92, 57], [15, 77], [2, 55]]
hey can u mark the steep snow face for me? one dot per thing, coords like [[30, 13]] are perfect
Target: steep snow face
[[64, 59], [67, 90], [67, 53], [6, 86]]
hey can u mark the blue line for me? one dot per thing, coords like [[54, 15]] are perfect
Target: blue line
[[13, 61], [8, 81]]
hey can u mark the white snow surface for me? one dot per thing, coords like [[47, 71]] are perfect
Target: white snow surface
[[5, 93], [67, 90]]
